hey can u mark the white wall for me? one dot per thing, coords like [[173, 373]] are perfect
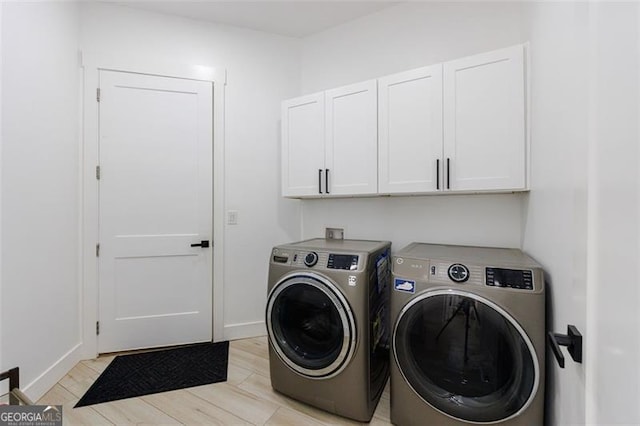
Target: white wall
[[487, 220], [582, 213], [556, 209], [396, 39], [40, 185], [613, 349], [262, 70], [3, 387], [404, 37]]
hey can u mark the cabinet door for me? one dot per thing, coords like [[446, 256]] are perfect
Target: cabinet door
[[484, 130], [352, 142], [302, 145], [410, 131]]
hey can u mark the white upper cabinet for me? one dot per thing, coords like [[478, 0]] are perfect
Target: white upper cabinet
[[410, 131], [303, 145], [330, 143], [484, 122], [351, 166], [457, 127]]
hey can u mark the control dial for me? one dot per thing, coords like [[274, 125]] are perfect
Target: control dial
[[311, 259], [458, 273]]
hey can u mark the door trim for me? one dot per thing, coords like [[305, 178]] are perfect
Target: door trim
[[89, 209]]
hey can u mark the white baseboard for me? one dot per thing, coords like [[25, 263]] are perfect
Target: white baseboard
[[43, 383], [244, 330]]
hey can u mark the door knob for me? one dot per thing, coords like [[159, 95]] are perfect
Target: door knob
[[203, 244]]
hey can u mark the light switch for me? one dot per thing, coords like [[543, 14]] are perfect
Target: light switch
[[232, 217]]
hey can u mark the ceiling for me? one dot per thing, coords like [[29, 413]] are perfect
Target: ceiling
[[294, 18]]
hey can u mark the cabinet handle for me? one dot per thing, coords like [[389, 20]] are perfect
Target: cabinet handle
[[438, 173], [448, 177], [326, 180], [319, 181]]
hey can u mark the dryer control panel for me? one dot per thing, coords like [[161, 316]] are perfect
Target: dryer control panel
[[463, 273], [510, 278]]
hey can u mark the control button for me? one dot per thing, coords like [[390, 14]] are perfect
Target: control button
[[458, 273], [311, 259]]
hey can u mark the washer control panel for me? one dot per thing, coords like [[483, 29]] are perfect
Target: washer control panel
[[317, 259], [347, 262], [509, 278]]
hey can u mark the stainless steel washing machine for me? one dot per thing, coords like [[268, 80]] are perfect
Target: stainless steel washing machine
[[328, 323], [468, 340]]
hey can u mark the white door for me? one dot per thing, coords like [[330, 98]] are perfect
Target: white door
[[484, 124], [155, 187], [303, 146], [410, 131], [352, 139]]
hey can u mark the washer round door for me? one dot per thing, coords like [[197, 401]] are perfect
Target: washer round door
[[310, 325], [465, 356]]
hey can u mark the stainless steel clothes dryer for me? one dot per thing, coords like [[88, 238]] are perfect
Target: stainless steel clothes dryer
[[468, 340], [328, 323]]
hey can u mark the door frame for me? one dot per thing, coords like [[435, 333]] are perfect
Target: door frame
[[89, 209]]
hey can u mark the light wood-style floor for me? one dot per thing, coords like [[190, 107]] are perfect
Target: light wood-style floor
[[245, 398]]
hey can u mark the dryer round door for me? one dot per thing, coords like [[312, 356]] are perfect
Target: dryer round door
[[310, 325], [465, 356]]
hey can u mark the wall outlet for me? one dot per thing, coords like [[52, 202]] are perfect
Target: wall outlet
[[334, 233], [232, 217]]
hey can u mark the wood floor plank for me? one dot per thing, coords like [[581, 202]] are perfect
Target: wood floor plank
[[250, 361], [99, 364], [133, 411], [258, 346], [79, 379], [238, 402], [237, 374], [383, 410], [57, 395], [375, 421], [82, 415], [189, 409], [261, 387], [286, 417]]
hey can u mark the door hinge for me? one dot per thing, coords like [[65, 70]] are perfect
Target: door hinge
[[98, 250], [98, 172], [97, 328], [98, 94]]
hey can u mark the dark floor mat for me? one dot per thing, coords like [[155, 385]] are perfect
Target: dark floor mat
[[140, 374]]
